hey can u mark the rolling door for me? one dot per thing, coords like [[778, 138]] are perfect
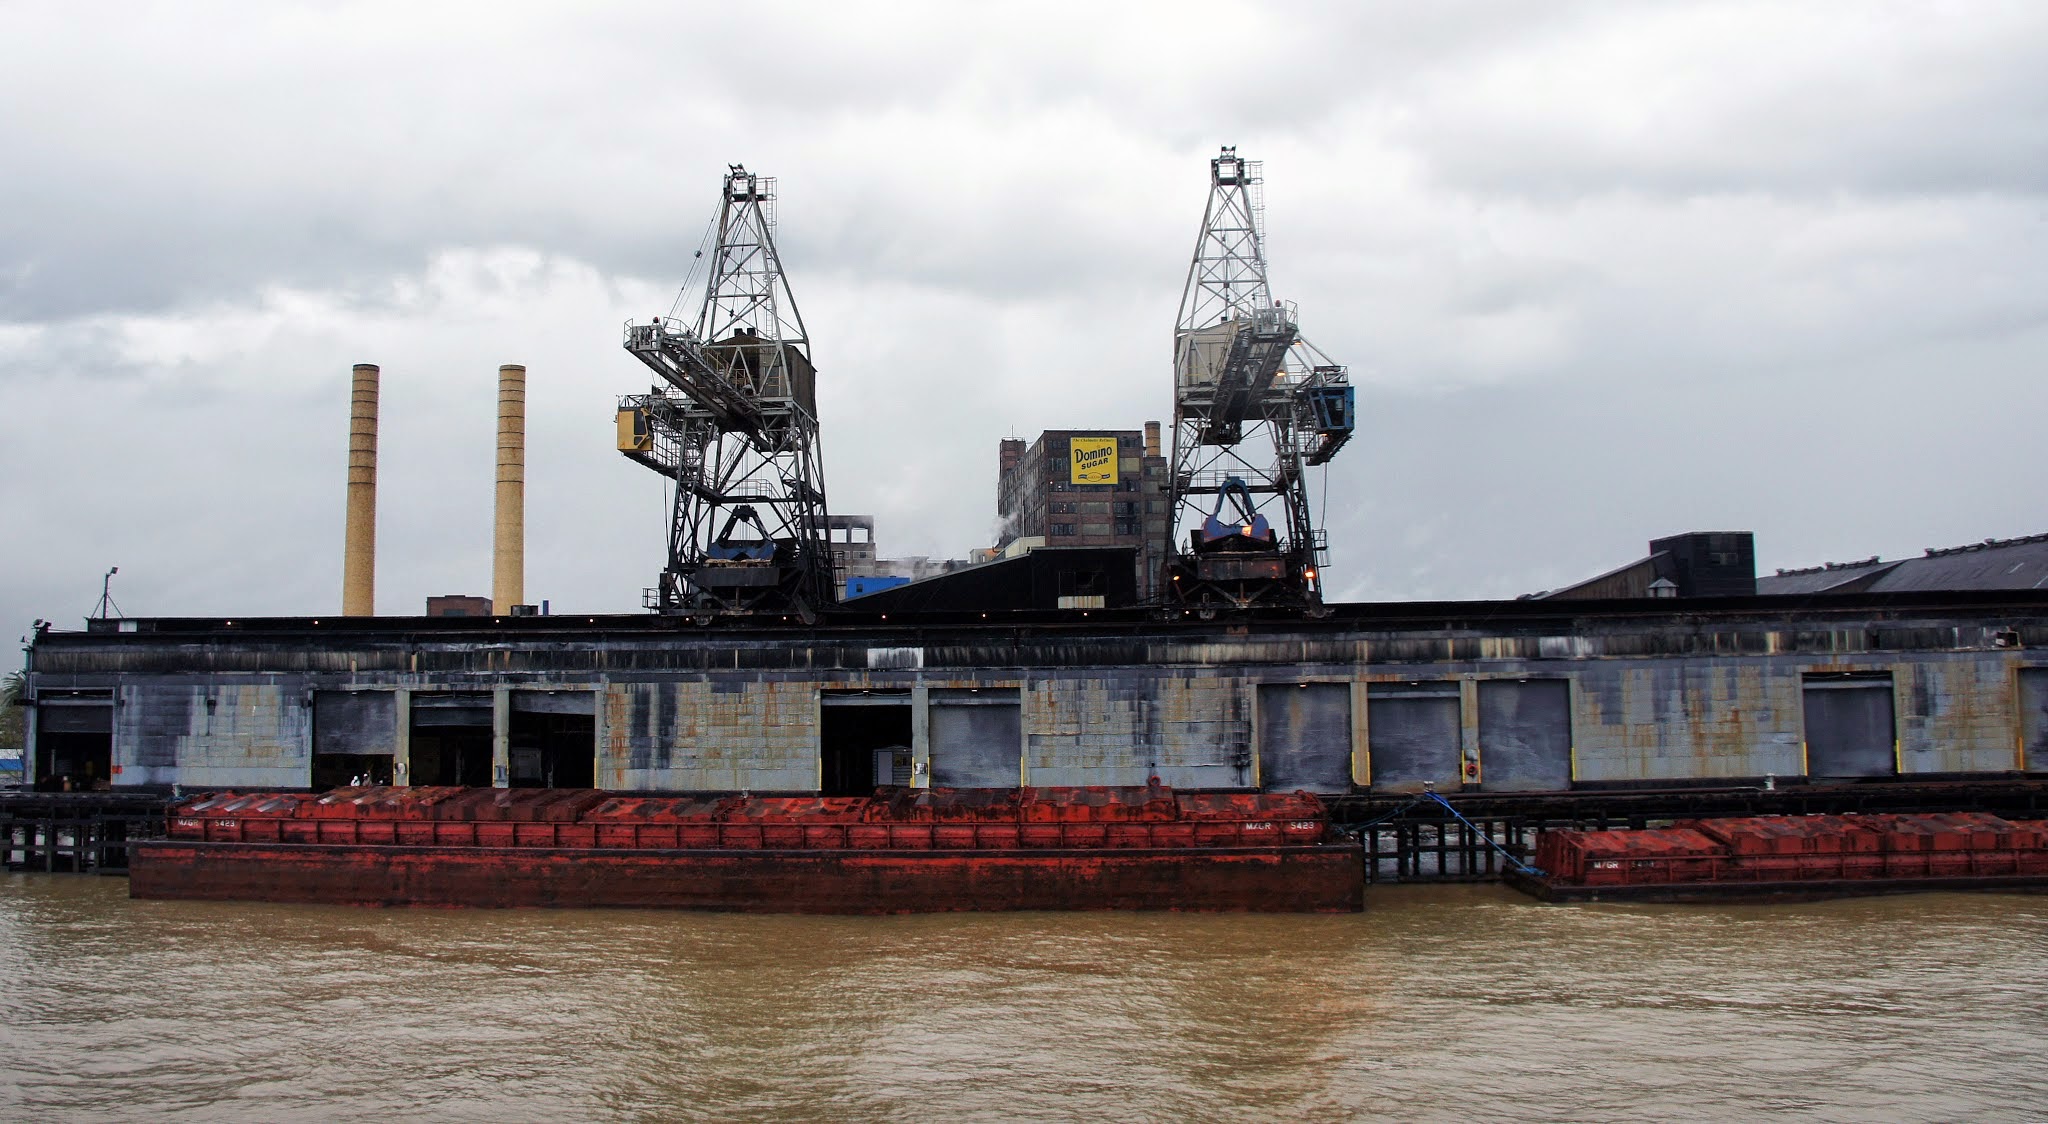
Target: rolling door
[[71, 718], [1305, 737], [1525, 735], [1413, 736], [977, 741], [452, 710], [1849, 727], [355, 722], [2034, 718]]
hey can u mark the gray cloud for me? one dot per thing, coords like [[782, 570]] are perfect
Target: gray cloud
[[1602, 275]]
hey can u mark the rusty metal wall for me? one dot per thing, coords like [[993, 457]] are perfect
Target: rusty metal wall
[[1305, 737], [1955, 715], [1646, 720]]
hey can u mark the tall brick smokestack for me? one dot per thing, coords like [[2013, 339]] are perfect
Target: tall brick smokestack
[[508, 570], [359, 548]]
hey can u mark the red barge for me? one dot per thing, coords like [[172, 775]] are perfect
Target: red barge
[[1788, 858], [910, 851]]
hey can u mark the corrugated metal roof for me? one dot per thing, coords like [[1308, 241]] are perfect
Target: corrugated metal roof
[[1989, 565], [2007, 564], [1843, 578]]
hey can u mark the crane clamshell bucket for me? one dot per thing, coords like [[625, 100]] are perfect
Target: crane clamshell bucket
[[1246, 530]]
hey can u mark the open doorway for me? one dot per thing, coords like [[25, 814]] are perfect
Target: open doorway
[[451, 740], [864, 742], [336, 770], [355, 734], [74, 744], [553, 739]]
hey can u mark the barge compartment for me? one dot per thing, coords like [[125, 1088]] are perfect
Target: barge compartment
[[903, 852]]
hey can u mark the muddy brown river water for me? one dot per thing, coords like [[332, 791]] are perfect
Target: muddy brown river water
[[1452, 1003]]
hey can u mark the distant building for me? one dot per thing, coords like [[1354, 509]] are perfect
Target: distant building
[[1086, 488], [458, 605], [2020, 563], [856, 569], [1695, 564]]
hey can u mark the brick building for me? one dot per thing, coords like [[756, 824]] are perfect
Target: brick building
[[1092, 487]]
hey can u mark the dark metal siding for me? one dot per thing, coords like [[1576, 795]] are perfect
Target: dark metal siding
[[1413, 735], [554, 702], [1305, 737], [2034, 717], [355, 722], [1525, 735], [454, 708], [1850, 728], [976, 745], [93, 719]]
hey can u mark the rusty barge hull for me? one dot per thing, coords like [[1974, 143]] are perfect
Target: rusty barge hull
[[1819, 889], [1789, 858], [1320, 878]]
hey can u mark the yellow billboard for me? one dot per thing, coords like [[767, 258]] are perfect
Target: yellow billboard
[[1094, 459]]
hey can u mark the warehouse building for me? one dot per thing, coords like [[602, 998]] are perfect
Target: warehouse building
[[1518, 696]]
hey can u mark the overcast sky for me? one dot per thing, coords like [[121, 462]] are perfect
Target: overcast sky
[[1602, 272]]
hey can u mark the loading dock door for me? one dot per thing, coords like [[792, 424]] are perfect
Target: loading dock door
[[1305, 737], [355, 734], [977, 739], [855, 728], [1413, 736], [2034, 718], [355, 722], [74, 744], [1849, 729], [450, 740], [1525, 735], [552, 739]]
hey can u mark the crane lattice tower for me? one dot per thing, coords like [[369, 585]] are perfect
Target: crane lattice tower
[[734, 427], [1255, 405]]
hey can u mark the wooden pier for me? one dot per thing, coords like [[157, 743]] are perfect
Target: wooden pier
[[76, 832]]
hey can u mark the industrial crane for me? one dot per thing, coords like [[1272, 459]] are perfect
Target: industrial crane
[[1254, 406], [734, 427]]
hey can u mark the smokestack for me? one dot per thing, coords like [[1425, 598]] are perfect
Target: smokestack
[[508, 572], [359, 548], [1151, 439]]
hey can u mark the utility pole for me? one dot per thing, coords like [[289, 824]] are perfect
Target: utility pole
[[106, 608]]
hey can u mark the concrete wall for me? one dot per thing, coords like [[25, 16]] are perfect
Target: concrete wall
[[717, 734], [217, 732]]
